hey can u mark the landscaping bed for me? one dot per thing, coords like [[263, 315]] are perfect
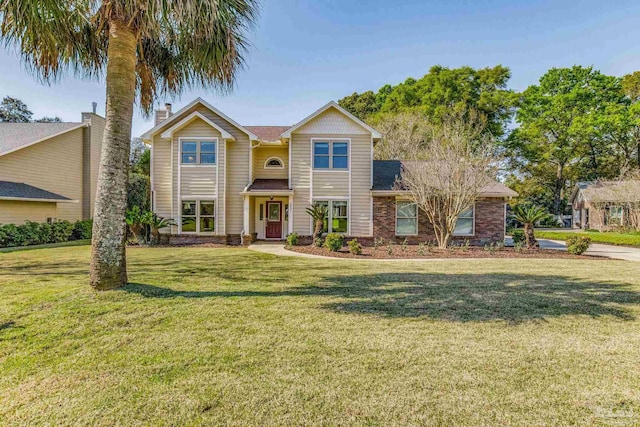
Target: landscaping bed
[[413, 252]]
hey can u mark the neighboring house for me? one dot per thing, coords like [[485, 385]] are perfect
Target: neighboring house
[[221, 181], [49, 171], [606, 205]]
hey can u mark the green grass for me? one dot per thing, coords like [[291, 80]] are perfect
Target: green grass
[[47, 246], [611, 238], [206, 336]]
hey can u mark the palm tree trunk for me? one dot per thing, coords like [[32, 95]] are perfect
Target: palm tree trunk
[[108, 258]]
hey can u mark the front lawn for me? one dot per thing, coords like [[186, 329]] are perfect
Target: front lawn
[[206, 336], [611, 238]]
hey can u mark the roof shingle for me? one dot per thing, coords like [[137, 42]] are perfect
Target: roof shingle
[[268, 133], [270, 185], [16, 135], [386, 173], [20, 190]]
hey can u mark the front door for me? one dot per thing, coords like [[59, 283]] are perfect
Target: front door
[[274, 220]]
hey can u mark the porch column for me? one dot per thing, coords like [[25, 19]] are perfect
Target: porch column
[[246, 214], [290, 222]]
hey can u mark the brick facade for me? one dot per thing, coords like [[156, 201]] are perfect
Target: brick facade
[[489, 222]]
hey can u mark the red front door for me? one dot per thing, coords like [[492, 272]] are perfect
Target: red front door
[[274, 220]]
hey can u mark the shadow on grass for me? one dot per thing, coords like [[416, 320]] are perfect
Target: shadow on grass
[[457, 297]]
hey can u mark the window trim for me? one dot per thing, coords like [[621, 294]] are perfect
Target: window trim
[[198, 141], [330, 141], [416, 217], [267, 166], [473, 224], [330, 201], [609, 217], [197, 216]]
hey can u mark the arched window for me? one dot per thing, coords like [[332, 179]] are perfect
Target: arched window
[[274, 163]]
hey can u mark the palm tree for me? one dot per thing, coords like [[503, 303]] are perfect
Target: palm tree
[[155, 223], [528, 215], [147, 49], [135, 221], [318, 213]]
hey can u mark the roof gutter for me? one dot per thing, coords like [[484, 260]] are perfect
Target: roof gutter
[[28, 199]]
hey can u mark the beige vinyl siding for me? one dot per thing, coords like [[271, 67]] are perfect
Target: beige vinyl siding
[[91, 160], [54, 165], [334, 122], [16, 212], [197, 180], [260, 156], [301, 182], [233, 169], [333, 184], [161, 170], [330, 184], [361, 185]]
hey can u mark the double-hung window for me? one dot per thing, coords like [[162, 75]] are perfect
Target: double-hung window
[[615, 215], [337, 220], [198, 216], [198, 152], [465, 223], [406, 218], [331, 155]]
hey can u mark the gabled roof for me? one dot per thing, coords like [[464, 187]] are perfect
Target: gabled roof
[[268, 133], [191, 117], [25, 192], [176, 116], [16, 136], [386, 172], [332, 104], [607, 191]]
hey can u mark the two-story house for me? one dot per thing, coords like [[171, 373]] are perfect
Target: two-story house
[[49, 171], [224, 182]]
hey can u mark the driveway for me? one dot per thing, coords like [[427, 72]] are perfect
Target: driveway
[[597, 249]]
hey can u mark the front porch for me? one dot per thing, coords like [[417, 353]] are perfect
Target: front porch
[[267, 206]]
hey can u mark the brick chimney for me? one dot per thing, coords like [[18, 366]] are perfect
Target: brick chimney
[[162, 115]]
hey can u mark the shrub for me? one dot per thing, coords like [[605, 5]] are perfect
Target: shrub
[[405, 242], [293, 239], [318, 242], [61, 231], [334, 242], [518, 247], [82, 230], [377, 242], [577, 245], [421, 249], [390, 249], [518, 236], [355, 247]]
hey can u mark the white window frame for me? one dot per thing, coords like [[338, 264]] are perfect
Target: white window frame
[[617, 207], [198, 142], [267, 166], [330, 141], [473, 224], [416, 217], [197, 216], [330, 202]]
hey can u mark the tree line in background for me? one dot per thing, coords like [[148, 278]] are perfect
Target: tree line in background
[[13, 110], [576, 124]]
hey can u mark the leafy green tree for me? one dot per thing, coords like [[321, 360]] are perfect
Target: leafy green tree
[[145, 50], [14, 110], [559, 136], [440, 92]]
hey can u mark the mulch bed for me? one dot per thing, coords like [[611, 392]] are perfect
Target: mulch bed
[[411, 251]]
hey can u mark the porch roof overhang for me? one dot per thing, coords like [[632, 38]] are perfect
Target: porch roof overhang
[[268, 187]]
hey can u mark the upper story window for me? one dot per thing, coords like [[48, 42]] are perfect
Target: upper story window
[[331, 155], [274, 163], [198, 152]]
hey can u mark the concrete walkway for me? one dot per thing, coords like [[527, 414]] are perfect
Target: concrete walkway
[[596, 249], [277, 248]]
